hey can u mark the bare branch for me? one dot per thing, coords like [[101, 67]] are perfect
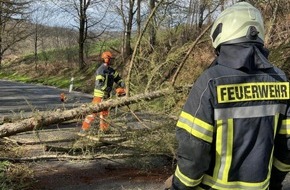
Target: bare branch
[[188, 53]]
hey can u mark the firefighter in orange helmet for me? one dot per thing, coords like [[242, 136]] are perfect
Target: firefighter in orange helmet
[[105, 77]]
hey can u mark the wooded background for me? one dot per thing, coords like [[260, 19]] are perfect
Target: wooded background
[[84, 23]]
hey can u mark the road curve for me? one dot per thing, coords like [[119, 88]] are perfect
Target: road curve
[[21, 98]]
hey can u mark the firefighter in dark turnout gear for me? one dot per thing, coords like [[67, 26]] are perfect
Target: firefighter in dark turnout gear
[[105, 77], [236, 113]]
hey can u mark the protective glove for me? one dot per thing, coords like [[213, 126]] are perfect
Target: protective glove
[[120, 92]]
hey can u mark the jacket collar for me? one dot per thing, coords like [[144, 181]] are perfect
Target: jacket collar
[[245, 56]]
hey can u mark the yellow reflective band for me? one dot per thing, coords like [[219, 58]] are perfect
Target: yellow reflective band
[[285, 128], [218, 149], [100, 77], [105, 80], [253, 91], [195, 126], [236, 185], [98, 93], [116, 74], [186, 180], [224, 149], [281, 166], [120, 81], [228, 149]]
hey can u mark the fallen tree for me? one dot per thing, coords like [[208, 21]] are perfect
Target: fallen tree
[[42, 119], [80, 157]]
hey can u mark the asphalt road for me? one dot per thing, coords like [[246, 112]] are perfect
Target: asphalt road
[[20, 98]]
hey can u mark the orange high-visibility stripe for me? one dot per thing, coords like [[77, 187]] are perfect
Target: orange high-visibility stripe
[[96, 100], [87, 122], [104, 126]]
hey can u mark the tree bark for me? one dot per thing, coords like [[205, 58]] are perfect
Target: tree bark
[[70, 157], [83, 5], [152, 30], [42, 119], [128, 30]]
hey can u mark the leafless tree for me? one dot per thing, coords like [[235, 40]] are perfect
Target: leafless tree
[[152, 13], [13, 24], [127, 9], [39, 16], [87, 14]]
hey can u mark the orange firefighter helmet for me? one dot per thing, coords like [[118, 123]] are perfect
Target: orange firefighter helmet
[[106, 56]]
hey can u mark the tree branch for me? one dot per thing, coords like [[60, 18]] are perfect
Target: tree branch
[[188, 53]]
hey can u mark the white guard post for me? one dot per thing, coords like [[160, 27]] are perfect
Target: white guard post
[[71, 84]]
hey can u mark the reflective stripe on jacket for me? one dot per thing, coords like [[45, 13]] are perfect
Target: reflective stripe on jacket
[[228, 128]]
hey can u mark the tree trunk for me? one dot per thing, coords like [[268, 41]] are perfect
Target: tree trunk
[[43, 119], [138, 19], [152, 31], [82, 32], [128, 31], [71, 157]]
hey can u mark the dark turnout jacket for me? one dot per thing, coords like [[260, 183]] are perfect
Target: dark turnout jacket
[[234, 129], [106, 76]]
